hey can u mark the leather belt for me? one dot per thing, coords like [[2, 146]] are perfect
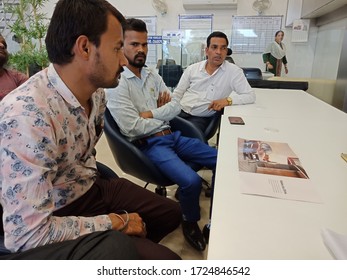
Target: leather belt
[[142, 141]]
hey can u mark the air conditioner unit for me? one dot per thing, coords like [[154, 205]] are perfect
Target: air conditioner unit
[[209, 4]]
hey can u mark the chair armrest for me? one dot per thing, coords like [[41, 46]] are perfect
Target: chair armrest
[[187, 128], [105, 171]]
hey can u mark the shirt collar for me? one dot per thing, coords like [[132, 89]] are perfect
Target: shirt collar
[[129, 74], [61, 87], [203, 65]]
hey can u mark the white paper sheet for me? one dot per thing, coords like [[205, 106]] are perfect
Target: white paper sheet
[[336, 243]]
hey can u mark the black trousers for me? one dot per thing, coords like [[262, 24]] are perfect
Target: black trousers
[[102, 245], [161, 215]]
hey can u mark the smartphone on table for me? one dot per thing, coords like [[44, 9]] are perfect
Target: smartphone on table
[[236, 120]]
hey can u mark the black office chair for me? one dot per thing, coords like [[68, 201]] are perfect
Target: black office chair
[[228, 57], [134, 162], [104, 172], [166, 61], [212, 127], [171, 74], [252, 73]]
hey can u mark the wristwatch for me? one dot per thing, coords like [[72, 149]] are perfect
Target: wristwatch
[[230, 101]]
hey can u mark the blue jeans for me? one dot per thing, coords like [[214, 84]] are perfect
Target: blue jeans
[[171, 153]]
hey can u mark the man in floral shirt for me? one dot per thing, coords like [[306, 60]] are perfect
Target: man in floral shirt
[[50, 190]]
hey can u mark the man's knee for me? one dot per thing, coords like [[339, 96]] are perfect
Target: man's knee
[[193, 185], [108, 245]]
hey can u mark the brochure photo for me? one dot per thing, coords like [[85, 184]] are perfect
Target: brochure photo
[[273, 169]]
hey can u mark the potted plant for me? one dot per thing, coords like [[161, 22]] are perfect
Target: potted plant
[[29, 27]]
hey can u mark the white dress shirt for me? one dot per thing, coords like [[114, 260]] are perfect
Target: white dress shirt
[[197, 89]]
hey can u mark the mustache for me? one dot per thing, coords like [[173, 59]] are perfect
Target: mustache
[[140, 54]]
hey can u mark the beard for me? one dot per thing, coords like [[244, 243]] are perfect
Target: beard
[[98, 78], [3, 59], [138, 63]]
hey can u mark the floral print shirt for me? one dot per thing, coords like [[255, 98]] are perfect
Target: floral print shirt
[[47, 161]]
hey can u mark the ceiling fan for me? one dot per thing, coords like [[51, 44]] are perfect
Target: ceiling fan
[[160, 6]]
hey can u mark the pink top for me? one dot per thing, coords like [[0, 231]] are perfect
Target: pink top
[[9, 80]]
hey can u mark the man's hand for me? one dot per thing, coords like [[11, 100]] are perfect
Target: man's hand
[[164, 97], [146, 115], [135, 225], [218, 105]]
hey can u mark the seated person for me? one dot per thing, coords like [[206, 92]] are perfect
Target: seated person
[[9, 79], [53, 198], [142, 108], [208, 86]]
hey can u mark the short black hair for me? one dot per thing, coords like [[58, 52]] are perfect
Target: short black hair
[[73, 18], [218, 34], [135, 24]]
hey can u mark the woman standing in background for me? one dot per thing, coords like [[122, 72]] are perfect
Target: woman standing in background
[[275, 55]]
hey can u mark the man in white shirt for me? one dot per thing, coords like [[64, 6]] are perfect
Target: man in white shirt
[[206, 87]]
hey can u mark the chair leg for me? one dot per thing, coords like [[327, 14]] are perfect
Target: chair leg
[[208, 187], [161, 191]]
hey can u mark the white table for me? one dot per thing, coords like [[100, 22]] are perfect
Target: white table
[[287, 103], [257, 227]]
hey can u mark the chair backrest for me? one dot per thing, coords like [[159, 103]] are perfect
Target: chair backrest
[[171, 74], [230, 59], [166, 61], [252, 73], [129, 158], [213, 126]]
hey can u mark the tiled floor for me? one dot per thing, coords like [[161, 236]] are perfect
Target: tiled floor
[[175, 241]]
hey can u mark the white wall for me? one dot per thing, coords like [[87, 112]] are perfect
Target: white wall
[[328, 49], [318, 57]]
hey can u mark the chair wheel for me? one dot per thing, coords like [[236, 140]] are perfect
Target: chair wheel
[[161, 191]]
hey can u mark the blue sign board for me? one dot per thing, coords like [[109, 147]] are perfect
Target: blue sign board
[[155, 39]]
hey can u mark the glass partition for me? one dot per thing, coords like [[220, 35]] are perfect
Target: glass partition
[[184, 47]]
